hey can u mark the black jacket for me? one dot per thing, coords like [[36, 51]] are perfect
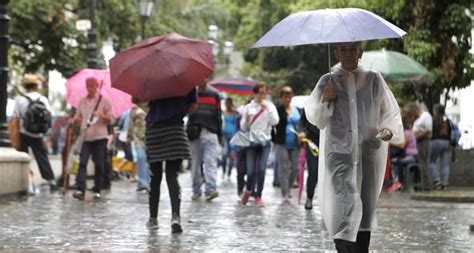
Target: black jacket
[[279, 131]]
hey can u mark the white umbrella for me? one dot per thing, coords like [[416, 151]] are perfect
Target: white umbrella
[[329, 26]]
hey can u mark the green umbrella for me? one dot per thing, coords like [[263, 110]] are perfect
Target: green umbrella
[[395, 67]]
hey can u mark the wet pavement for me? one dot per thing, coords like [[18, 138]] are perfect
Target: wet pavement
[[52, 221]]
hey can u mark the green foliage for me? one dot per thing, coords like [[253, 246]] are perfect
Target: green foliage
[[42, 38], [438, 37]]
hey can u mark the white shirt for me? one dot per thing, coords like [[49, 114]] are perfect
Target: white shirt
[[263, 124], [423, 123], [21, 105]]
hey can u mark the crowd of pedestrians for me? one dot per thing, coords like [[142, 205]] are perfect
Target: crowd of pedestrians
[[159, 135], [430, 140]]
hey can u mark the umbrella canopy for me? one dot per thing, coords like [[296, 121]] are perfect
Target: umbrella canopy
[[234, 85], [164, 66], [329, 26], [395, 67], [76, 90]]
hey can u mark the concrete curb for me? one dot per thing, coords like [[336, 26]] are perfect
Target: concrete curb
[[461, 196]]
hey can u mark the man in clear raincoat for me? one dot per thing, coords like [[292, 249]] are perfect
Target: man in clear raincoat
[[358, 116]]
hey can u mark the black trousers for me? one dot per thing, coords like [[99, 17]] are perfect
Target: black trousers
[[98, 151], [241, 170], [312, 179], [40, 152], [108, 171], [360, 246], [174, 190]]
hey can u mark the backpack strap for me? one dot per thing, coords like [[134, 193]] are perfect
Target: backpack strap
[[28, 98], [256, 116]]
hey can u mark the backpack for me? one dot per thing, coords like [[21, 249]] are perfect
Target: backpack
[[37, 118], [455, 134]]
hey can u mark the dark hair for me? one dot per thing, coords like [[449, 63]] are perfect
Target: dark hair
[[286, 90], [438, 118], [407, 120], [229, 99], [257, 87], [30, 86], [439, 109]]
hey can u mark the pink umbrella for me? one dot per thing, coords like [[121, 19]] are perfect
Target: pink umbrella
[[160, 67], [76, 89]]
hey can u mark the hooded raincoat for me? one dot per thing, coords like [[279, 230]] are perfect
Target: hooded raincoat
[[352, 161]]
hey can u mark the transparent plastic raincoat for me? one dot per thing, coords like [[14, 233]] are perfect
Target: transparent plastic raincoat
[[352, 161]]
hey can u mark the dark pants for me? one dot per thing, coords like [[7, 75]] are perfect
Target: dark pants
[[241, 170], [108, 171], [312, 179], [172, 172], [98, 151], [360, 246], [423, 147], [40, 152], [127, 149]]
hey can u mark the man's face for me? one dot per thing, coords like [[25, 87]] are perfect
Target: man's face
[[203, 84], [91, 85], [349, 54], [416, 111]]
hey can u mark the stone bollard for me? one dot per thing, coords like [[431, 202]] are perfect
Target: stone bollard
[[14, 168]]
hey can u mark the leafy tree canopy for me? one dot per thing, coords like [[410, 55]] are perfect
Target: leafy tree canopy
[[44, 37]]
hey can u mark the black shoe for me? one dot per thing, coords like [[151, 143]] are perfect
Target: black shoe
[[437, 185], [106, 187], [176, 225], [78, 195], [143, 189], [53, 187], [309, 204], [94, 189]]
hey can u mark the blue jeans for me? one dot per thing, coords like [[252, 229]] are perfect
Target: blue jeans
[[204, 151], [440, 149], [143, 171], [230, 154], [257, 157]]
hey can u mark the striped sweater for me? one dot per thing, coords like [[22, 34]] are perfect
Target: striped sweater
[[208, 113]]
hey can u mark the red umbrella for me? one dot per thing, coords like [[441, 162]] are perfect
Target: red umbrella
[[76, 89], [235, 85], [164, 66]]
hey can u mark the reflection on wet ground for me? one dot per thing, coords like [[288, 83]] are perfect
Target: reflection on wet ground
[[51, 221]]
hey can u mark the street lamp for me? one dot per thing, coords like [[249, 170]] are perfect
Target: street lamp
[[4, 45], [212, 31], [92, 37], [145, 7], [228, 49]]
